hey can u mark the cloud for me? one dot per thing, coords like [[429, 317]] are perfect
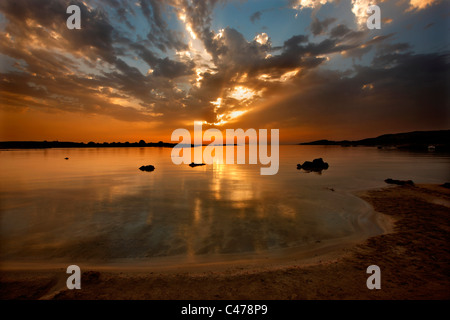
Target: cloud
[[161, 62], [358, 7], [255, 16], [160, 35], [300, 4], [114, 86], [163, 67], [397, 92], [87, 70], [319, 27], [421, 4]]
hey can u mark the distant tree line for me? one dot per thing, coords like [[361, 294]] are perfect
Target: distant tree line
[[91, 144]]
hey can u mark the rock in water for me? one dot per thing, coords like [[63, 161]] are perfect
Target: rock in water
[[315, 165], [147, 168], [192, 164], [399, 182], [319, 163]]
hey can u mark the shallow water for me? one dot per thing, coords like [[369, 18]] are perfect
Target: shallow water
[[98, 206]]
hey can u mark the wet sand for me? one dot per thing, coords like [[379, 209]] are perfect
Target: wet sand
[[413, 257]]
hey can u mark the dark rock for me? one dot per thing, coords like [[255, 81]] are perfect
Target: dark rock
[[148, 168], [192, 164], [446, 185], [399, 182], [66, 158], [316, 165]]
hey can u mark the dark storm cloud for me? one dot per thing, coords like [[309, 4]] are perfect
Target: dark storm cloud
[[172, 69], [339, 31], [164, 67], [386, 48], [344, 33], [397, 92], [358, 51], [294, 41], [235, 52], [148, 56], [320, 27]]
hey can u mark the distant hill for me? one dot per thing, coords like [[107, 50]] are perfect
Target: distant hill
[[438, 140]]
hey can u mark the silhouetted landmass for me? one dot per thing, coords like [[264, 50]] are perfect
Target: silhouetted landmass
[[317, 165], [60, 144], [399, 182], [438, 140]]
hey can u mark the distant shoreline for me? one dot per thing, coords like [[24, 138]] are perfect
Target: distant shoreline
[[418, 140], [65, 144], [6, 145], [437, 140]]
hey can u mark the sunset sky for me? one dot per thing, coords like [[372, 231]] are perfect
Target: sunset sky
[[140, 69]]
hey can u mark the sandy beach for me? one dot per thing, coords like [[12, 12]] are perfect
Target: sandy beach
[[413, 256]]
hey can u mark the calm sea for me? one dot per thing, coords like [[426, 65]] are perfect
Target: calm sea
[[98, 206]]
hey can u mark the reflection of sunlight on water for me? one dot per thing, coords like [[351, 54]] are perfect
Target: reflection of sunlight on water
[[231, 183], [149, 219], [286, 210], [117, 191], [197, 210], [99, 205]]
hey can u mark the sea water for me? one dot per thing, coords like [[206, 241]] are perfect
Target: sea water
[[98, 206]]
